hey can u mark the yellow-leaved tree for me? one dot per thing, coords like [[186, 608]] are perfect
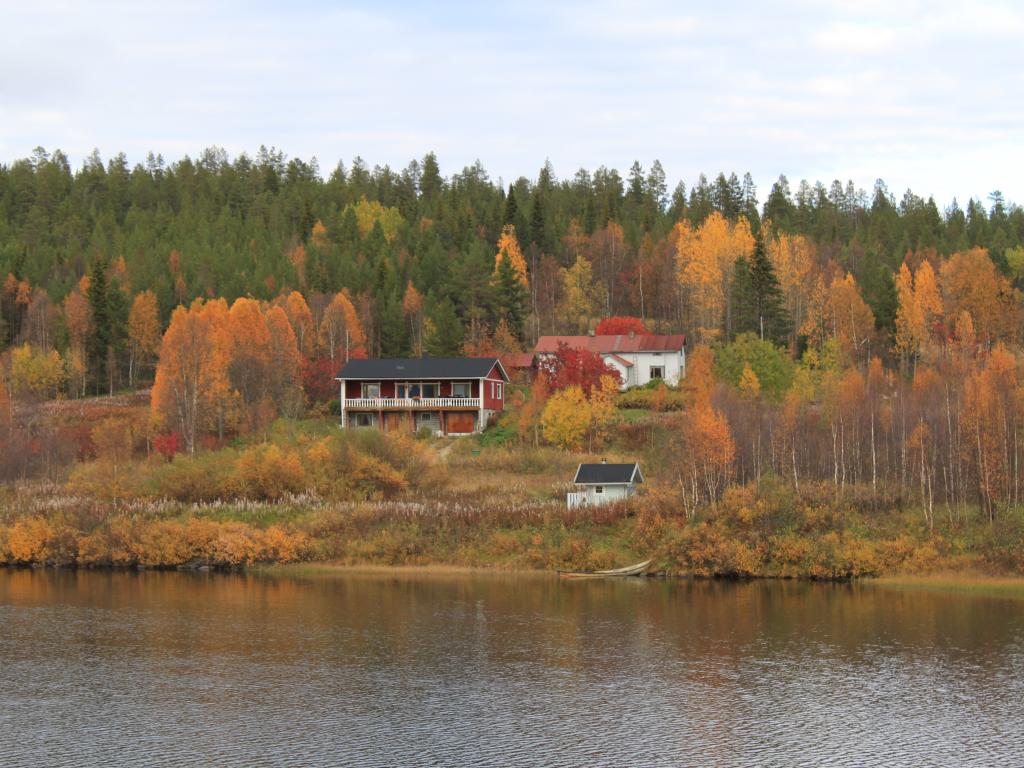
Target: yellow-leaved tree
[[793, 257], [143, 332], [582, 296], [566, 418], [36, 373], [704, 260]]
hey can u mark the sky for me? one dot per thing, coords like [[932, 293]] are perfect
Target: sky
[[925, 95]]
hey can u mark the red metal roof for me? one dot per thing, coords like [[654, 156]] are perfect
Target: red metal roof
[[612, 344], [517, 360]]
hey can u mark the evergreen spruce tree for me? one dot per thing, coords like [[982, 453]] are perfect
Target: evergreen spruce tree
[[100, 336], [118, 308], [446, 333], [742, 313], [394, 332], [537, 229], [510, 298], [511, 207], [769, 304]]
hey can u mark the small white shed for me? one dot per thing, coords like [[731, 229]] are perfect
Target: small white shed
[[604, 483]]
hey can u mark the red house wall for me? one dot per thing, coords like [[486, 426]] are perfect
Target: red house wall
[[492, 402]]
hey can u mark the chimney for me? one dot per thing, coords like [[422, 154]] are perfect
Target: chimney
[[632, 334], [604, 461]]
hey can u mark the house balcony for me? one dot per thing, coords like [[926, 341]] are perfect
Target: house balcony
[[410, 403]]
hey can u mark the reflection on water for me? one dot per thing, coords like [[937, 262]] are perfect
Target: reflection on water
[[375, 669]]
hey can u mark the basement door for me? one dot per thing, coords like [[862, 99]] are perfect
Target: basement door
[[460, 423]]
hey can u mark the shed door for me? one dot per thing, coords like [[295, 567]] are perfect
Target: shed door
[[460, 423]]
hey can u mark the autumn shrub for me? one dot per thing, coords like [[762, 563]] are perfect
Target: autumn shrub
[[205, 477], [28, 541], [659, 397], [268, 472]]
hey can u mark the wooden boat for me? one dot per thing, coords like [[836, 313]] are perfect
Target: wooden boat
[[629, 570]]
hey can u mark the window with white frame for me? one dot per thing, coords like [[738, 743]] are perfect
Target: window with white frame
[[497, 390], [598, 489], [657, 372], [370, 389], [462, 389], [407, 389], [363, 419]]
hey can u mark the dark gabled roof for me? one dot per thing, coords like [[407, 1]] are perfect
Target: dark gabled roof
[[421, 368], [608, 474]]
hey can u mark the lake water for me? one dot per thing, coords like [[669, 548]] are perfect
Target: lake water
[[172, 669]]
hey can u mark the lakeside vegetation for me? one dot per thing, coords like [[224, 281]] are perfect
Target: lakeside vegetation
[[308, 492], [853, 405]]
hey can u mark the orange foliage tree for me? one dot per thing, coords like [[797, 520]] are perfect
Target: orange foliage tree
[[971, 283], [412, 308], [301, 319], [341, 332], [143, 332], [284, 381], [191, 375], [508, 248]]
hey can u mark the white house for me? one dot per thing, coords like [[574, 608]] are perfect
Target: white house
[[604, 483], [639, 358]]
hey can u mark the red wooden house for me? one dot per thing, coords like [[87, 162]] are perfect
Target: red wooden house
[[449, 395]]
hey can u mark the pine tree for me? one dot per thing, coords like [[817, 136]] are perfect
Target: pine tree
[[769, 302]]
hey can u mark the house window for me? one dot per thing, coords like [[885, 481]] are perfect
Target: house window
[[364, 419], [462, 389], [598, 489], [657, 372], [497, 391], [370, 389], [407, 390]]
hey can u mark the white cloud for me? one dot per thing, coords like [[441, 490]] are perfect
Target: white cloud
[[857, 39], [845, 89]]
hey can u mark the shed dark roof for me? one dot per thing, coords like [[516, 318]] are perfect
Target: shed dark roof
[[608, 474], [421, 368]]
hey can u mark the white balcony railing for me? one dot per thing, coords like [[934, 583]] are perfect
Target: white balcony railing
[[410, 403]]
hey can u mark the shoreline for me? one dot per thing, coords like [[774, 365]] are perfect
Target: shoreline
[[968, 582]]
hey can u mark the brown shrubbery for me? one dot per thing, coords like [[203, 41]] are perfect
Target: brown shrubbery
[[122, 541]]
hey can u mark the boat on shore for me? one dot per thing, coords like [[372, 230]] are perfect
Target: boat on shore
[[630, 570]]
